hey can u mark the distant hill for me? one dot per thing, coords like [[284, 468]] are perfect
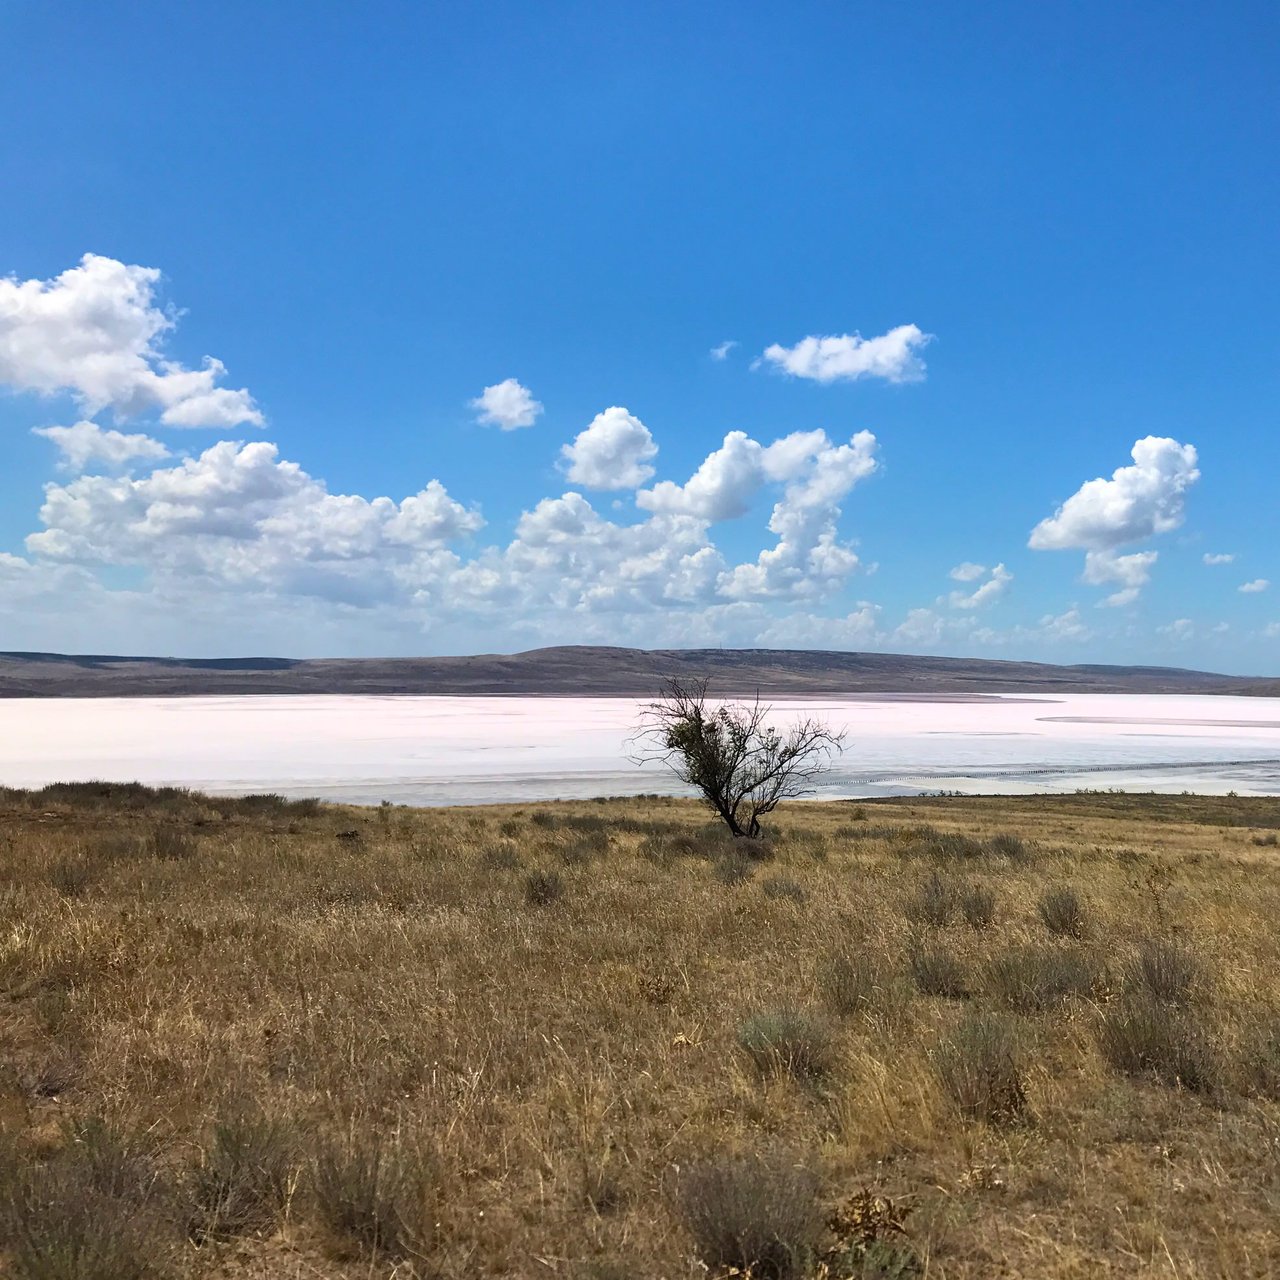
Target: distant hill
[[592, 670]]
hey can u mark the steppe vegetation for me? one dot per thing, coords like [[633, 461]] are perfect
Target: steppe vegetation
[[953, 1037]]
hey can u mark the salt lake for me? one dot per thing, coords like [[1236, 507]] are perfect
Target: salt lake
[[448, 750]]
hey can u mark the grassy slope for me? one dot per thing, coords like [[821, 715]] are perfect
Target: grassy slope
[[538, 1074]]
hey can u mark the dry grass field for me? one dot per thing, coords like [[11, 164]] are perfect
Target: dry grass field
[[953, 1038]]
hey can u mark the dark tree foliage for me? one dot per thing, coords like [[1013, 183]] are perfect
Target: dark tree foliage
[[740, 764]]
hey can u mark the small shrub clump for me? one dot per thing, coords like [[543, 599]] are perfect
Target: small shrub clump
[[933, 903], [1062, 911], [937, 971], [784, 887], [543, 888], [1032, 979], [978, 1065], [789, 1040], [1142, 1037], [852, 983], [753, 1215], [978, 906], [1165, 971], [242, 1184], [377, 1190], [733, 869]]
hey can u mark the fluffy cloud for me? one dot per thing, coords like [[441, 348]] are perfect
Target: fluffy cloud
[[893, 356], [506, 404], [1131, 572], [968, 572], [721, 352], [613, 452], [1255, 587], [1178, 629], [988, 593], [807, 559], [85, 443], [1211, 558], [1137, 502], [96, 332], [239, 516]]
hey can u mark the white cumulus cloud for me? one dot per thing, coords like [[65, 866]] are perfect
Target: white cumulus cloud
[[84, 443], [95, 331], [893, 356], [1137, 502], [988, 593], [1211, 557], [237, 515], [1131, 573], [507, 405], [613, 452], [968, 572], [721, 352], [1255, 587]]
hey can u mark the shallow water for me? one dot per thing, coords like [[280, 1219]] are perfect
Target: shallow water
[[425, 750]]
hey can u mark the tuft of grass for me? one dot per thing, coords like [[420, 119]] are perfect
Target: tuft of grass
[[169, 845], [790, 1040], [933, 903], [978, 906], [242, 1184], [755, 1215], [543, 888], [733, 869], [72, 876], [978, 1066], [377, 1190], [945, 846], [1005, 845], [1033, 978], [1062, 911], [784, 887], [852, 983], [1166, 971], [502, 856], [1143, 1038], [93, 1210], [938, 971]]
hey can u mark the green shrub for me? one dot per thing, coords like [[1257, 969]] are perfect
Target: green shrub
[[752, 1215], [790, 1040]]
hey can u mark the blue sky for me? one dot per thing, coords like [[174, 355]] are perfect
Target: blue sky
[[1040, 239]]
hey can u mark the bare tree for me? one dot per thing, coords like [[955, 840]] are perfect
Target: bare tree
[[740, 764]]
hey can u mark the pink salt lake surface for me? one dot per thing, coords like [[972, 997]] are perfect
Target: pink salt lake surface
[[442, 750]]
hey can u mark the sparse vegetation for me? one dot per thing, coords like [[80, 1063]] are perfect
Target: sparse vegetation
[[337, 1043], [757, 1214], [1062, 910]]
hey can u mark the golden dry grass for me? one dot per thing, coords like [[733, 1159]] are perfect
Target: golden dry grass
[[530, 1038]]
